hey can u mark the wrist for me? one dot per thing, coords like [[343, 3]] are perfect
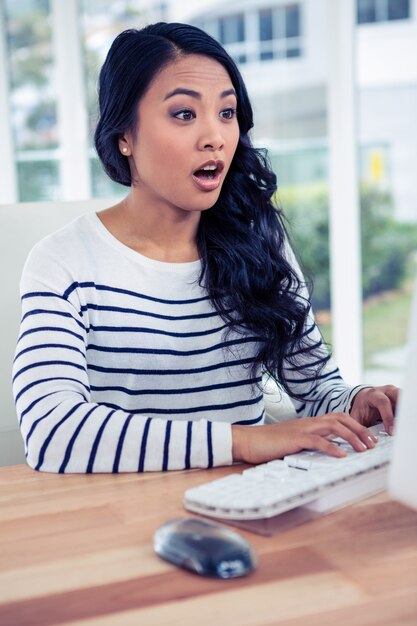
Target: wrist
[[239, 435], [358, 393]]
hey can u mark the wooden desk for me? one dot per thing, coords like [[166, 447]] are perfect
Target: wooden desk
[[78, 550]]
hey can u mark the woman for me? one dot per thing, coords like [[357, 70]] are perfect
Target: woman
[[147, 328]]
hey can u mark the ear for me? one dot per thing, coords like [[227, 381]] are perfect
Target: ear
[[124, 146]]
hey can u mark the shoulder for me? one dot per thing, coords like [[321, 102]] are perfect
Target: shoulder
[[68, 240], [56, 258]]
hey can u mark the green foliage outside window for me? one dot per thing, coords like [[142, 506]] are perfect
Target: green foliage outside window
[[388, 246]]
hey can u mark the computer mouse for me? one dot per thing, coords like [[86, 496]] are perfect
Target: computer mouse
[[204, 548]]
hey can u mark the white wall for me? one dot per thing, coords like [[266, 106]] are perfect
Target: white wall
[[387, 52]]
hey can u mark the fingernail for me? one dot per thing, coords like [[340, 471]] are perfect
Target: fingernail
[[372, 440]]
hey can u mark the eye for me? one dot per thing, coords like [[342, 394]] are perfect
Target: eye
[[228, 114], [184, 114]]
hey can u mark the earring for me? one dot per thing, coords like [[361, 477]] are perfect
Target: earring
[[124, 150]]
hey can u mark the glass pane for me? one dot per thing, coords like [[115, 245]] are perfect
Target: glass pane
[[232, 29], [32, 98], [293, 52], [398, 9], [267, 55], [292, 21], [102, 185], [265, 25], [388, 145], [240, 58], [38, 180], [29, 44], [101, 22], [366, 11]]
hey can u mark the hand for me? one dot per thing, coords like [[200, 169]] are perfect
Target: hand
[[373, 404], [259, 444]]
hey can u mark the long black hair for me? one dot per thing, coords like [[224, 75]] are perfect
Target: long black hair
[[242, 239]]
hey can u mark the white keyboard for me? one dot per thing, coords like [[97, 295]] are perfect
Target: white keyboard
[[310, 479]]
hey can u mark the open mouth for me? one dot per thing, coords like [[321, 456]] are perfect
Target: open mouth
[[209, 172]]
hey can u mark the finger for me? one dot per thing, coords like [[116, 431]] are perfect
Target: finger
[[344, 426], [393, 394], [317, 442], [383, 404], [358, 437]]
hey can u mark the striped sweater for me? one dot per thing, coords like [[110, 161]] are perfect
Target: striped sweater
[[122, 364]]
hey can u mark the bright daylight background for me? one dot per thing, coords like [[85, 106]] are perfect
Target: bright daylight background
[[334, 89]]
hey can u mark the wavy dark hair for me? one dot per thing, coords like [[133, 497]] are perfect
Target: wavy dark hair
[[246, 269]]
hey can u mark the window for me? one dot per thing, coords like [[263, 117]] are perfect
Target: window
[[232, 29], [369, 11], [32, 98], [99, 24], [279, 32], [231, 33], [54, 50]]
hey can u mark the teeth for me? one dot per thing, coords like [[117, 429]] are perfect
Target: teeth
[[209, 167]]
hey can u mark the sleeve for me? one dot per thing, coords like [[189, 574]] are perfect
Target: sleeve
[[315, 394], [62, 429]]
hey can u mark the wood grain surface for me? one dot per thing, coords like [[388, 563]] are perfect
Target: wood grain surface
[[78, 550]]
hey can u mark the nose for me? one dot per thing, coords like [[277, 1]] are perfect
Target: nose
[[211, 137]]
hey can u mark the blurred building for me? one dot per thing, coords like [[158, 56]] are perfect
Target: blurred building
[[281, 47]]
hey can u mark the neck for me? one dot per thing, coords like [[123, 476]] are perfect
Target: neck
[[155, 232]]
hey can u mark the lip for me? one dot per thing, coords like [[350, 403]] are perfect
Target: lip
[[209, 184]]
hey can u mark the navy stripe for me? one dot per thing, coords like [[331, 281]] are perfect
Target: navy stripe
[[176, 391], [30, 407], [171, 372], [212, 348], [96, 443], [324, 360], [47, 380], [322, 377], [58, 329], [300, 409], [49, 312], [143, 445], [70, 445], [35, 423], [155, 331], [308, 348], [188, 445], [119, 309], [120, 445], [352, 394], [209, 446], [322, 400], [255, 420], [188, 410], [166, 446], [35, 402], [48, 345], [40, 294], [52, 433], [42, 363], [312, 395], [334, 399], [127, 292]]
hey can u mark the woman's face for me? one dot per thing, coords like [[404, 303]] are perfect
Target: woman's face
[[186, 135]]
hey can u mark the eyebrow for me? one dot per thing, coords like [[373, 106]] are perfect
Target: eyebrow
[[195, 94]]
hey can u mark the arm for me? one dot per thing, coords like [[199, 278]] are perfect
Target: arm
[[337, 409], [329, 393], [63, 430]]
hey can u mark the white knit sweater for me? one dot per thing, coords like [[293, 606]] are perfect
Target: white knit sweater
[[122, 364]]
